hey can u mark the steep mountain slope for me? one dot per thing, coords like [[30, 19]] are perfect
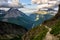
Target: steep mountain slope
[[9, 31], [37, 33], [15, 16]]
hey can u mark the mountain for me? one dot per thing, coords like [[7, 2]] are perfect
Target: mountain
[[17, 17], [11, 31], [2, 14]]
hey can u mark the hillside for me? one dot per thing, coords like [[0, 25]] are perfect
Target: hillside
[[53, 32], [11, 31], [35, 33]]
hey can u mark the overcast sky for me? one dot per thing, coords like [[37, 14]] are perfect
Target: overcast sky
[[27, 3]]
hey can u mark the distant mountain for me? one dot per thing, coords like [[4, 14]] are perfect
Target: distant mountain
[[17, 17], [2, 14], [8, 28]]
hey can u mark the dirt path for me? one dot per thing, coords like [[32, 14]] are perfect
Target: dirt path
[[49, 36]]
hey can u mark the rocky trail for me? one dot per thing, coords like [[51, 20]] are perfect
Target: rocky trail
[[50, 36]]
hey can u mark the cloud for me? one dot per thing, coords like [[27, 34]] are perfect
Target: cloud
[[39, 1], [43, 1], [6, 3]]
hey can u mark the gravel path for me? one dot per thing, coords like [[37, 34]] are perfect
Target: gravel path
[[49, 36]]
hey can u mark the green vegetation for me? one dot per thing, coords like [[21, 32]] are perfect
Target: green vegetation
[[54, 24], [37, 33], [56, 28], [40, 36]]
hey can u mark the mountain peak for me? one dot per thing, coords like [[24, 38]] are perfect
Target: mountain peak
[[13, 12]]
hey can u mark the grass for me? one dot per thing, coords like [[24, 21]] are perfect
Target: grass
[[56, 29], [40, 36], [54, 24], [37, 33]]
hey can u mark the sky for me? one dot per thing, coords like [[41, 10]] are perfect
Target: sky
[[27, 3]]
